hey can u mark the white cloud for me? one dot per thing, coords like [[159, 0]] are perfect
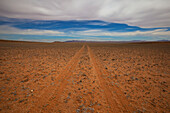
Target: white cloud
[[11, 30], [158, 32], [144, 13], [88, 35], [37, 40]]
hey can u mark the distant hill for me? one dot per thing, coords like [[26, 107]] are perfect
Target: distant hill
[[103, 41], [57, 42], [163, 40], [76, 41], [131, 41], [83, 41]]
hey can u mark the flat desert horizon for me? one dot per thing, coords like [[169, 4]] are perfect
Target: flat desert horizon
[[84, 77]]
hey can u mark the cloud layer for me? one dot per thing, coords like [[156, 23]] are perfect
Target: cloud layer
[[143, 13], [50, 20], [51, 30]]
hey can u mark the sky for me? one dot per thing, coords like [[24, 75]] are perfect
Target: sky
[[91, 20]]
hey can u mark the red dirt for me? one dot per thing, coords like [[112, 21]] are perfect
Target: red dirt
[[80, 78]]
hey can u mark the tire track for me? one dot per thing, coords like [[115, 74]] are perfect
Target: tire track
[[118, 103], [65, 75], [87, 97], [44, 101]]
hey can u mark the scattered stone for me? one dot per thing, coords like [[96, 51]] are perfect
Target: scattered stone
[[69, 94], [65, 101], [52, 78], [52, 83], [84, 75], [52, 98], [133, 78], [1, 72], [22, 100], [78, 110], [45, 105], [26, 80], [32, 90], [15, 99], [45, 76], [8, 79], [164, 90], [14, 93], [68, 97]]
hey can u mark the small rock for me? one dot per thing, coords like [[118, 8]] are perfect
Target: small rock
[[164, 90], [8, 79], [69, 94], [45, 105], [1, 72], [32, 90], [133, 78], [25, 80], [22, 100], [77, 110], [15, 99], [65, 101], [84, 75]]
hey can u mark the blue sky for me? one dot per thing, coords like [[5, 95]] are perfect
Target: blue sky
[[91, 20]]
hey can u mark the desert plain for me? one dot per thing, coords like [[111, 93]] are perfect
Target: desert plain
[[84, 77]]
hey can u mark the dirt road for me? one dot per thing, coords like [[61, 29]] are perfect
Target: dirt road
[[82, 86]]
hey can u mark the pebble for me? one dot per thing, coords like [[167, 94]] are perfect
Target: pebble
[[22, 100], [25, 80], [77, 110], [32, 90], [45, 105]]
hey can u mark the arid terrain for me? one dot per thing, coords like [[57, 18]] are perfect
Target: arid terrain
[[84, 77]]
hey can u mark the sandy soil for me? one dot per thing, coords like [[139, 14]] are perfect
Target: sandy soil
[[141, 71], [80, 78]]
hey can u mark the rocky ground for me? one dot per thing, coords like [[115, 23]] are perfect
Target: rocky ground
[[141, 71], [28, 69], [80, 78]]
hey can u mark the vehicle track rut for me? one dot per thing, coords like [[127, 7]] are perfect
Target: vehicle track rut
[[115, 97], [112, 98]]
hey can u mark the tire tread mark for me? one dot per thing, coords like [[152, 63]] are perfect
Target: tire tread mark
[[66, 73], [118, 103]]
